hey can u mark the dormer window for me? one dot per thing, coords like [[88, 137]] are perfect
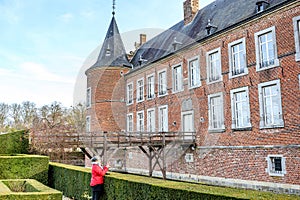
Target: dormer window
[[176, 44], [210, 28], [108, 51], [142, 60], [261, 5]]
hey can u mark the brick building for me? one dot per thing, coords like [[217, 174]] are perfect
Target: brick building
[[228, 72]]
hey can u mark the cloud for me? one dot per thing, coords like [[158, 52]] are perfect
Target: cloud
[[88, 14], [67, 17]]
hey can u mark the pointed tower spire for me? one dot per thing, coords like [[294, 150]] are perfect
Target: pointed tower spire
[[113, 51]]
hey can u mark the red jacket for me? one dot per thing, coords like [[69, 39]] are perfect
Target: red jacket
[[98, 175]]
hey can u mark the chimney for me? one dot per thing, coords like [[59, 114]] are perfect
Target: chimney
[[190, 9], [143, 39]]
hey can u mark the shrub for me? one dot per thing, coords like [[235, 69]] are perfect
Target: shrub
[[14, 143], [29, 190], [24, 166], [74, 182]]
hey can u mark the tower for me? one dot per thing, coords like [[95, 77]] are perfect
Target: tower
[[105, 84]]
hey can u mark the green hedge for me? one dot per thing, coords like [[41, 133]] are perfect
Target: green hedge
[[14, 143], [74, 182], [34, 190], [24, 167]]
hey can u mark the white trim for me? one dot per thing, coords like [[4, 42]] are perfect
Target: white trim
[[269, 163], [262, 124], [197, 59], [127, 122], [179, 79], [233, 110], [218, 51], [166, 82], [153, 120], [296, 23], [88, 124], [151, 75], [138, 127], [127, 94], [160, 128], [138, 90], [222, 127], [88, 97], [230, 45], [257, 48]]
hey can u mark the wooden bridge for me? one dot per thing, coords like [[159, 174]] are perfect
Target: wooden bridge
[[153, 144]]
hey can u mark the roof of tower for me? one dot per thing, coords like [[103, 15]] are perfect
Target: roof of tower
[[113, 51], [215, 18]]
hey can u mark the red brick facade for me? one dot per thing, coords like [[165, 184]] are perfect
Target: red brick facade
[[239, 154], [226, 152]]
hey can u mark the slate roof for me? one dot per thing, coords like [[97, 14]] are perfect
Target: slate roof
[[113, 51], [222, 13]]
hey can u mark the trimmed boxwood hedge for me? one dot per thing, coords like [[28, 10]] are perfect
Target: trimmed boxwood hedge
[[14, 143], [24, 167], [74, 182], [35, 190]]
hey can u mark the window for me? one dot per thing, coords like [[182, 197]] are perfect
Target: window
[[240, 108], [163, 118], [151, 120], [88, 98], [177, 78], [270, 105], [194, 73], [140, 121], [276, 165], [88, 124], [150, 87], [189, 157], [129, 93], [162, 83], [237, 58], [130, 122], [266, 50], [140, 90], [216, 112], [214, 73], [296, 22]]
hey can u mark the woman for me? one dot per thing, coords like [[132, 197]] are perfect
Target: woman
[[97, 181]]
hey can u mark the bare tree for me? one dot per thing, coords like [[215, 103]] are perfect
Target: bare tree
[[28, 113], [16, 115], [52, 114], [4, 112], [77, 117]]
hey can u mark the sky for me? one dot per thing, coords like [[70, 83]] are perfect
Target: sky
[[46, 45]]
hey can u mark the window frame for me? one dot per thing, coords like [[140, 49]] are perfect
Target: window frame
[[177, 80], [127, 122], [152, 85], [233, 92], [296, 24], [209, 66], [257, 35], [160, 125], [129, 94], [140, 128], [262, 124], [161, 85], [197, 59], [271, 165], [140, 92], [221, 115], [230, 53], [88, 124], [152, 121], [88, 97]]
